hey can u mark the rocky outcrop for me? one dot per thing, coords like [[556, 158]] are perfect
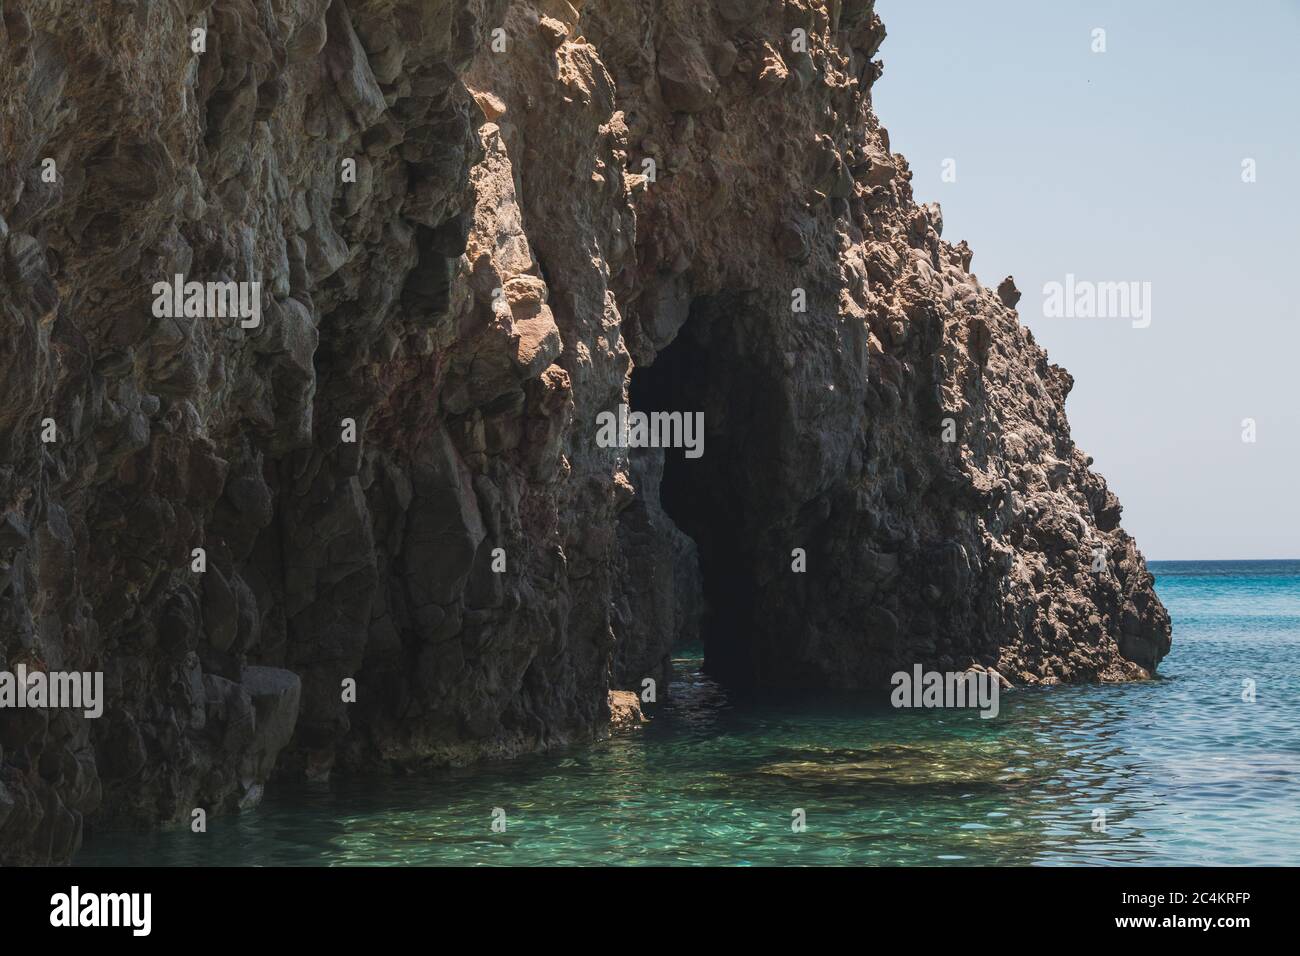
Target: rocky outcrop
[[375, 528], [624, 711]]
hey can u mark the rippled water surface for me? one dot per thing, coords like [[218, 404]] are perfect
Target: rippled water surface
[[1187, 772]]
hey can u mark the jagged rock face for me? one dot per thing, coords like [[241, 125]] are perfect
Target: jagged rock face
[[461, 253]]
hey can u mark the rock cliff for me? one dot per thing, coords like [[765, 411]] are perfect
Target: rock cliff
[[376, 529]]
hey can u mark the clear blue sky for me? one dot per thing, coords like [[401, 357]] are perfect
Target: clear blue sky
[[1126, 165]]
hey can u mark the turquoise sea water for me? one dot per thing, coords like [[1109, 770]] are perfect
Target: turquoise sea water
[[1186, 770]]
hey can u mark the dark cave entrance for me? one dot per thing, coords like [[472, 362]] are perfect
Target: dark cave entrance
[[705, 497]]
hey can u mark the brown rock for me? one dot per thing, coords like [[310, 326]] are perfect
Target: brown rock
[[624, 711], [553, 32], [1008, 293], [685, 78]]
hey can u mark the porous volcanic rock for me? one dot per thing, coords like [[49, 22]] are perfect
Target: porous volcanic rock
[[464, 257]]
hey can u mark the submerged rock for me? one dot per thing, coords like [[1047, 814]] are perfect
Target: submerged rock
[[924, 771], [906, 765]]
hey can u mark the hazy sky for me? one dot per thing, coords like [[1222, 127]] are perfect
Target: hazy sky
[[1127, 166]]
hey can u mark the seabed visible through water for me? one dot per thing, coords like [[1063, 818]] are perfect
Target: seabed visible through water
[[1186, 771]]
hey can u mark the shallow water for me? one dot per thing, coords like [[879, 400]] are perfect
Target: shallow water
[[1187, 772]]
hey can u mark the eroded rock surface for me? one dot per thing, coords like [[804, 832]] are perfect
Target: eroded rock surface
[[463, 252]]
